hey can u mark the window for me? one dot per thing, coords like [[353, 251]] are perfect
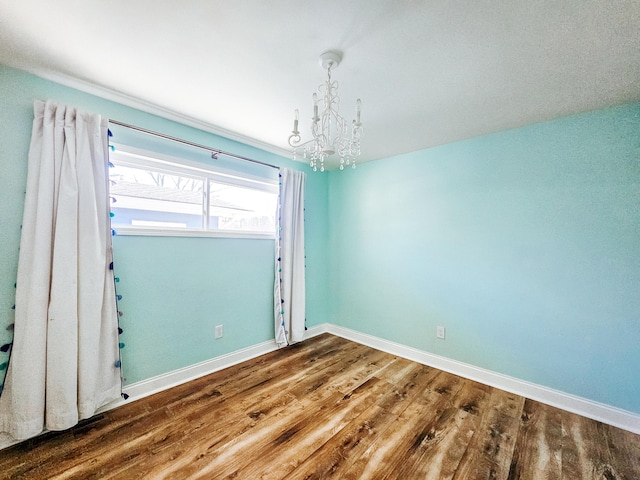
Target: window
[[155, 194]]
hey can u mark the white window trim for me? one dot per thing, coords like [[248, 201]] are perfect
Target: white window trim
[[175, 165], [185, 232]]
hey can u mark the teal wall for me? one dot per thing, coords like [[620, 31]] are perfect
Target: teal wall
[[175, 290], [524, 244]]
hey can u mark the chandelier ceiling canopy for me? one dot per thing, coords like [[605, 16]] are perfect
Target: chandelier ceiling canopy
[[331, 133]]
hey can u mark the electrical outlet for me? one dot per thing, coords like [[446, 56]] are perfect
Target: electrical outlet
[[440, 332], [219, 331]]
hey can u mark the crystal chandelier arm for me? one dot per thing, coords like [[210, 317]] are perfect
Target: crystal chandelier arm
[[295, 141], [294, 138]]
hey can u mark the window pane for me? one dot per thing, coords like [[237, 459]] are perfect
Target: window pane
[[232, 207], [159, 195], [150, 198]]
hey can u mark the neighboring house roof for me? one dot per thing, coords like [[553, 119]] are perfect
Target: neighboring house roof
[[153, 192]]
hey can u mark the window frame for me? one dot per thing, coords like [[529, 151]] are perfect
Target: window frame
[[127, 156]]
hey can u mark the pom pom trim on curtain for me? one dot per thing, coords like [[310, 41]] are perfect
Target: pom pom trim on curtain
[[289, 285]]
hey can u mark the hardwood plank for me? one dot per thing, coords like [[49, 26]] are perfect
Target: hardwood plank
[[395, 372], [309, 434], [224, 427], [415, 424], [417, 382], [342, 449], [537, 454], [366, 367], [437, 454], [337, 455], [491, 448], [624, 451], [441, 449], [584, 448], [226, 449], [352, 368]]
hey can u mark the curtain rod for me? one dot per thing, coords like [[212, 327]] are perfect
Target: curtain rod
[[214, 151]]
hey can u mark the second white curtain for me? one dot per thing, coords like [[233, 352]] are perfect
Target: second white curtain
[[289, 287]]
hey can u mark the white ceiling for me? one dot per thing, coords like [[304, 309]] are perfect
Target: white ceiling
[[428, 72]]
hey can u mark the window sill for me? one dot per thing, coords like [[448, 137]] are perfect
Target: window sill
[[165, 232]]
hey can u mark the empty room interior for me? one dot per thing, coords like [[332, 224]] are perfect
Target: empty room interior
[[368, 239]]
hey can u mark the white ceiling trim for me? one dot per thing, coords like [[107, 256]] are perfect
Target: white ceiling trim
[[153, 109]]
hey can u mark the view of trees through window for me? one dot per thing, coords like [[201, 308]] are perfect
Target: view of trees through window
[[173, 197]]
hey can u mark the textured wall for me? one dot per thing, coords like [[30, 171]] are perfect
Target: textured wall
[[524, 244]]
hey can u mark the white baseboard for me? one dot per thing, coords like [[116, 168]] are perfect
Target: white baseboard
[[152, 385], [156, 384], [572, 403]]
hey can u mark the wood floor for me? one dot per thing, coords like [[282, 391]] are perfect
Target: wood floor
[[331, 409]]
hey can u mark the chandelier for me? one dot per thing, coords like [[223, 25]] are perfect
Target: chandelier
[[331, 132]]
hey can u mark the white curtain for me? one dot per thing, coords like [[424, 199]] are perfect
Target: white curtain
[[65, 348], [289, 289]]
